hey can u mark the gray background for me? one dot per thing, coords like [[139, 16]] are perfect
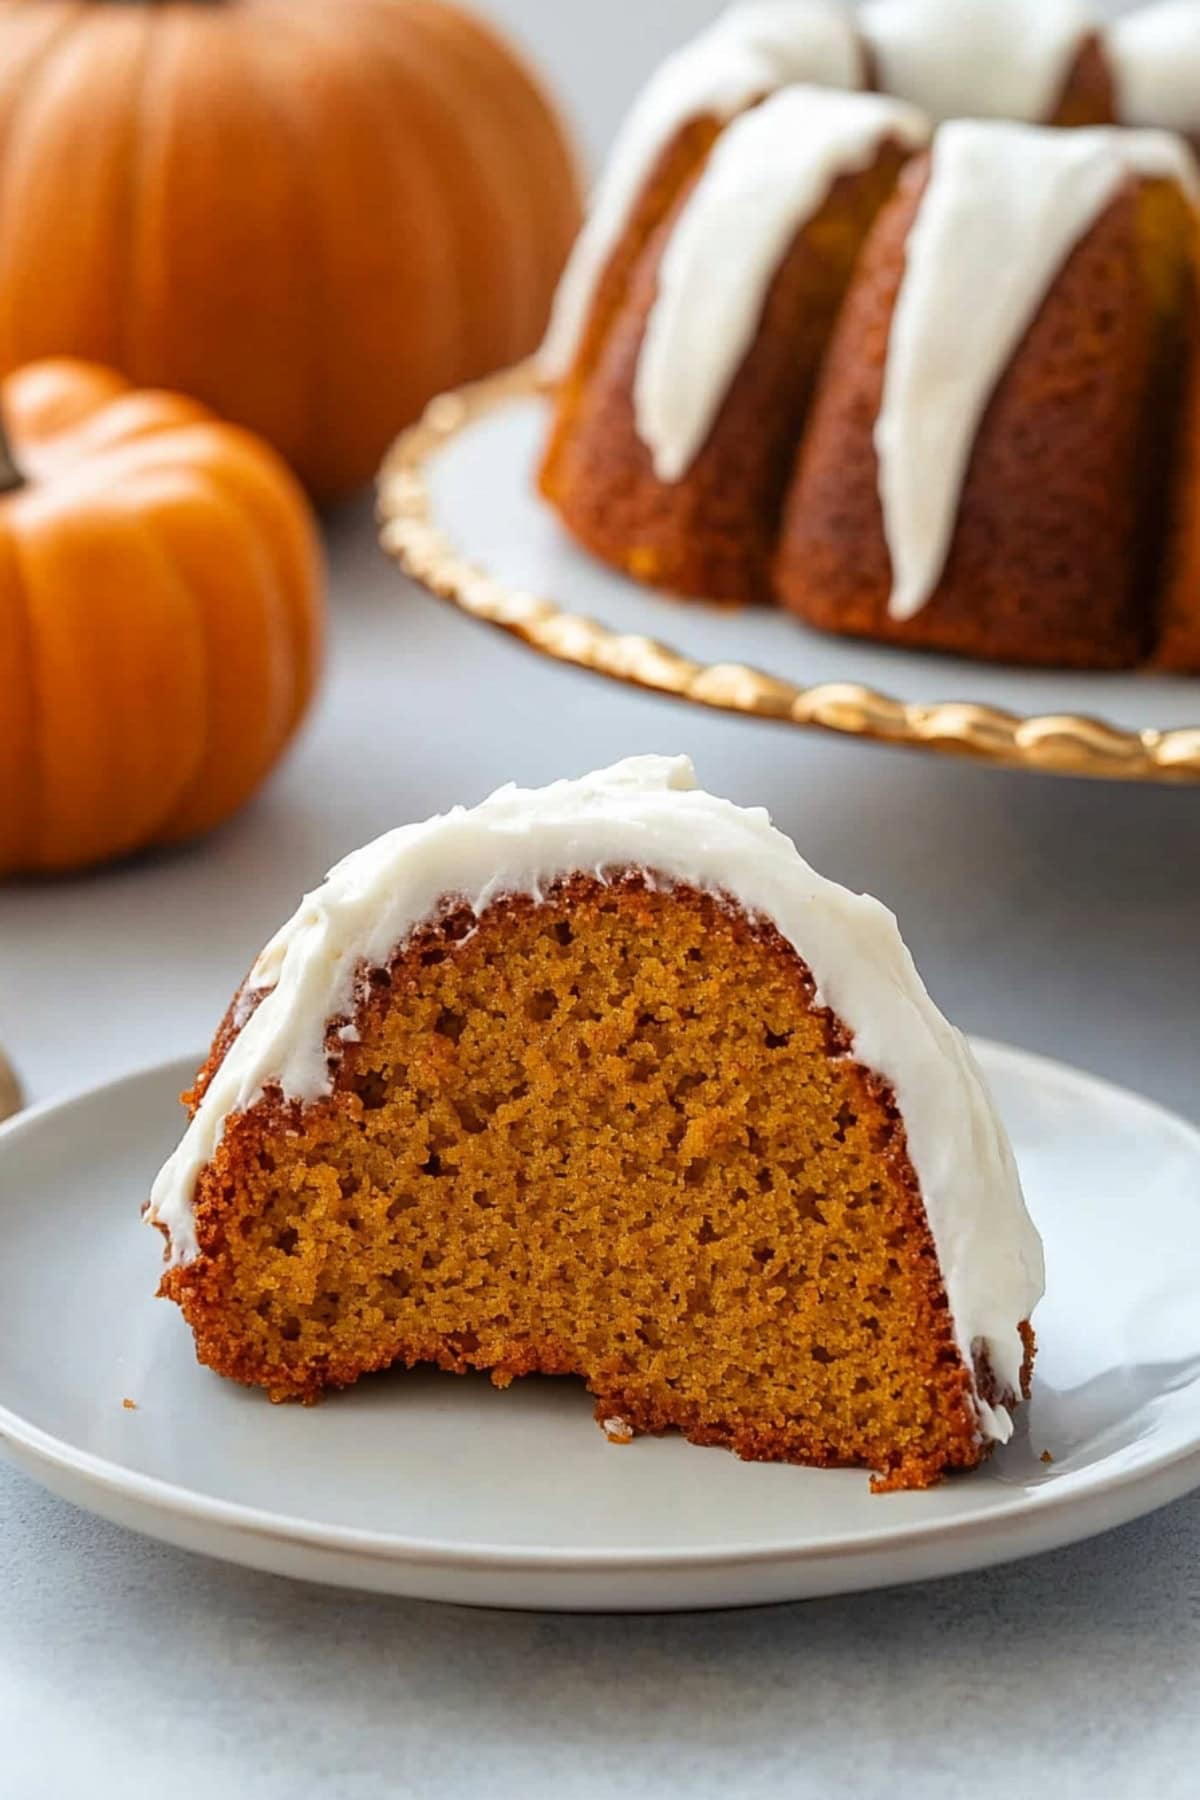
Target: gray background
[[1057, 915]]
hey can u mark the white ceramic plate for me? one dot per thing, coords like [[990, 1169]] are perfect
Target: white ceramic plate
[[442, 1488]]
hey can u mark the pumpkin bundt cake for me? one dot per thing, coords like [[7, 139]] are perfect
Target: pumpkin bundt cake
[[603, 1080], [925, 392]]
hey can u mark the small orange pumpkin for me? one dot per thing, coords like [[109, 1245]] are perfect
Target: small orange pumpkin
[[311, 214], [160, 616]]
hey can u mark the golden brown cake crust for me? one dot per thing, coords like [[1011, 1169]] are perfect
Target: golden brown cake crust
[[712, 533], [464, 1199], [1088, 97], [1051, 560], [675, 167], [1178, 647]]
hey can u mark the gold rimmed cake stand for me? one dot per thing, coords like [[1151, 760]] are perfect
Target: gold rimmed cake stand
[[434, 550]]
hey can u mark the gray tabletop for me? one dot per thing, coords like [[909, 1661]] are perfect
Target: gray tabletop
[[1057, 915]]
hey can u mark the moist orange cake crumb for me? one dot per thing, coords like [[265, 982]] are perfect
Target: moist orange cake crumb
[[604, 1130]]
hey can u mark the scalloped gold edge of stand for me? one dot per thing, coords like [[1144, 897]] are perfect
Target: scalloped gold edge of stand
[[1050, 743]]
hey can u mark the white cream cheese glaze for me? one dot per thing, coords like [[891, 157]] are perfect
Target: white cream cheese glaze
[[648, 813], [978, 59], [747, 53], [1154, 56], [769, 173], [1003, 208]]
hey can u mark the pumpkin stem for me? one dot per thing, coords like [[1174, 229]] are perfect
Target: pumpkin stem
[[11, 477]]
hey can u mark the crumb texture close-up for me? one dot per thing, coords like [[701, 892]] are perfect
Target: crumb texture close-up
[[612, 1136]]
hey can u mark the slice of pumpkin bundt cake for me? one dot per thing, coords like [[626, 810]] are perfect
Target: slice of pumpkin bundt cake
[[603, 1080]]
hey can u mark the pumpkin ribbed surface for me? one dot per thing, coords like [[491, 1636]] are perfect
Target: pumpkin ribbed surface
[[312, 216], [160, 618]]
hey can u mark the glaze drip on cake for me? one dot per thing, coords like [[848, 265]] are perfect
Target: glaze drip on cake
[[722, 430], [1155, 59], [746, 54], [1007, 59], [647, 814], [769, 173], [1004, 206]]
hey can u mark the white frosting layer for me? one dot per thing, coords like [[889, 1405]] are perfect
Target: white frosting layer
[[747, 53], [1004, 207], [770, 171], [647, 813], [978, 59], [1155, 60]]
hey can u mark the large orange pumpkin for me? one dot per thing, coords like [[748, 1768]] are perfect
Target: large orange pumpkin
[[311, 214], [160, 617]]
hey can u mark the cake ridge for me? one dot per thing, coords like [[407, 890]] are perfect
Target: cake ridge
[[1004, 205], [766, 177], [746, 53]]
